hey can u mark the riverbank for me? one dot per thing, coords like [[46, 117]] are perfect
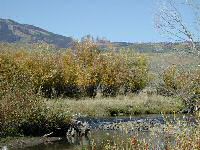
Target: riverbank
[[120, 105], [146, 132], [13, 143]]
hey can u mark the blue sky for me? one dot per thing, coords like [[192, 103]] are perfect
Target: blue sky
[[117, 20]]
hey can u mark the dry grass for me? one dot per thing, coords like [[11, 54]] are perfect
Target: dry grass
[[120, 105]]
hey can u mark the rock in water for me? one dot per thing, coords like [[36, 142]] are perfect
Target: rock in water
[[78, 128]]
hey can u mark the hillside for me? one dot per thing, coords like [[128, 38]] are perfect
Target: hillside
[[13, 32], [159, 47]]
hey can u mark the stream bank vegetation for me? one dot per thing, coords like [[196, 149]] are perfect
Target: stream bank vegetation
[[41, 89], [120, 105], [176, 137]]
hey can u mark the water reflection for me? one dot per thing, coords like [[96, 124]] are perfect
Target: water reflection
[[157, 141], [98, 137], [73, 143]]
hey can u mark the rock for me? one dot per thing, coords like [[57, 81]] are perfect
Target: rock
[[78, 128]]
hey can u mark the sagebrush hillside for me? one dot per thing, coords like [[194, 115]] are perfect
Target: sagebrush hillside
[[12, 32]]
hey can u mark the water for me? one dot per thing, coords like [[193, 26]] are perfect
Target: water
[[98, 137], [64, 144], [156, 140]]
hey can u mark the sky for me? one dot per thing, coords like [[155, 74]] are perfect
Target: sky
[[117, 20]]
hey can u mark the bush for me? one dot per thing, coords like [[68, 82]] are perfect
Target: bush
[[17, 98], [112, 71], [184, 84], [21, 109], [80, 71]]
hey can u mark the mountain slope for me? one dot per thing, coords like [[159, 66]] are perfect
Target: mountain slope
[[12, 32]]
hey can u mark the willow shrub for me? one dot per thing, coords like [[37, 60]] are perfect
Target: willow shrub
[[21, 110], [87, 59], [16, 96], [184, 84], [82, 70], [45, 72], [137, 71], [112, 74]]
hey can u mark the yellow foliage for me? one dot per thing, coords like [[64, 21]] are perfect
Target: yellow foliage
[[83, 67]]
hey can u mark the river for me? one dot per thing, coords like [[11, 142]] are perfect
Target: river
[[102, 130]]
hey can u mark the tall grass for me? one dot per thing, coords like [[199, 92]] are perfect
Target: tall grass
[[175, 134], [120, 105]]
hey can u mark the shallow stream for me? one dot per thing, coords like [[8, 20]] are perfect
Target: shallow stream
[[103, 130]]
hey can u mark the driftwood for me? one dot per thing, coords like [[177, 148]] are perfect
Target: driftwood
[[47, 135], [75, 128]]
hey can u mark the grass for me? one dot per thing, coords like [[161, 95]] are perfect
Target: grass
[[160, 61], [120, 105], [176, 134], [183, 141]]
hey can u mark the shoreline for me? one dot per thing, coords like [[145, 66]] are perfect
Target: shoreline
[[23, 142]]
